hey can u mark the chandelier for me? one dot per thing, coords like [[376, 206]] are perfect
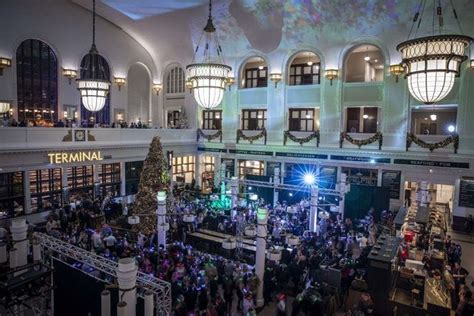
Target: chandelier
[[207, 79], [432, 62], [93, 85]]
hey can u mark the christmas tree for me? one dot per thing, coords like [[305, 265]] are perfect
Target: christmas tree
[[154, 178]]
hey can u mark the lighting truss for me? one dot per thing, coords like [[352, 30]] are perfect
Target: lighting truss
[[160, 288]]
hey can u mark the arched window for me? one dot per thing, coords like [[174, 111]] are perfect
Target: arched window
[[304, 69], [254, 73], [175, 81], [364, 63], [37, 82], [102, 116]]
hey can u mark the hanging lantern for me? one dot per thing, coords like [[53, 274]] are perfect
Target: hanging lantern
[[93, 85], [208, 79], [433, 62]]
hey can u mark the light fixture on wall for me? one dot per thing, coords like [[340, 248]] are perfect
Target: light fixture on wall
[[331, 74], [189, 85], [433, 117], [93, 86], [472, 64], [432, 62], [230, 81], [4, 106], [397, 70], [70, 74], [119, 81], [209, 77], [4, 63], [157, 88], [367, 57], [276, 78]]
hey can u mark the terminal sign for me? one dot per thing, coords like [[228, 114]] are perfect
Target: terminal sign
[[67, 157]]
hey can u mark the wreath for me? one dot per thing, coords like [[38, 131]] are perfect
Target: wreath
[[361, 142], [454, 139], [251, 139], [209, 137], [301, 140]]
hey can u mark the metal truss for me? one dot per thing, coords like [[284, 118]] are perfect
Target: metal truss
[[282, 186], [160, 288]]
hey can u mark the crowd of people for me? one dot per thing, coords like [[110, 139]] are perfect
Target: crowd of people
[[211, 284]]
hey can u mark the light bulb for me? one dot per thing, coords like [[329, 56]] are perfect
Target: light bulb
[[310, 63], [365, 116], [433, 117], [451, 128], [260, 67], [367, 58]]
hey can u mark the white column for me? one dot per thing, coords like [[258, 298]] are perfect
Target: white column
[[313, 209], [422, 195], [342, 192], [27, 192], [127, 279], [367, 72], [162, 225], [19, 231], [260, 251], [122, 179], [276, 182], [222, 172], [198, 169], [148, 303], [234, 187], [105, 303], [13, 258]]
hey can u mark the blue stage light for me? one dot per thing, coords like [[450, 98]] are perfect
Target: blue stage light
[[309, 179]]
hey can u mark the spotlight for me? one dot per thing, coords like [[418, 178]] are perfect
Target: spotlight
[[451, 128], [309, 179], [320, 198], [372, 160], [290, 194], [250, 188]]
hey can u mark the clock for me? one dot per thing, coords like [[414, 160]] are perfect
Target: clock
[[80, 135]]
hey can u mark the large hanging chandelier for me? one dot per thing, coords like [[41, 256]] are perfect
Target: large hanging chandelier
[[207, 79], [432, 62], [93, 85]]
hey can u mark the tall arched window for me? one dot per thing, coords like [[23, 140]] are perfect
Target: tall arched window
[[175, 81], [37, 82], [102, 116]]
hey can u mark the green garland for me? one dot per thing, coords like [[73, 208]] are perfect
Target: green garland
[[454, 139], [251, 139], [301, 140], [361, 142], [209, 137]]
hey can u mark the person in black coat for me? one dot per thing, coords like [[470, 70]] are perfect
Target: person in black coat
[[203, 301]]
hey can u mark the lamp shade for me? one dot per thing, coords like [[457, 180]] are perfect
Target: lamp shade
[[93, 93], [208, 82], [4, 106], [432, 63]]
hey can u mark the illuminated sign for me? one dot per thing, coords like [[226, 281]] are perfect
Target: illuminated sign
[[67, 157]]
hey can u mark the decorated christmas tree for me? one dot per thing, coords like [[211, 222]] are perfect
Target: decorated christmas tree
[[154, 178]]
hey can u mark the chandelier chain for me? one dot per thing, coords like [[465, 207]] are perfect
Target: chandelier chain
[[93, 22], [456, 17], [415, 18]]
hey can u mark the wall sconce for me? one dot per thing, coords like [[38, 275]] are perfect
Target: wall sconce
[[397, 70], [331, 74], [120, 117], [119, 81], [4, 63], [4, 106], [157, 88], [70, 74], [230, 81], [276, 78], [189, 85], [472, 64]]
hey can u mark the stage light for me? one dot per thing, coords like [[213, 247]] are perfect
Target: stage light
[[372, 160], [250, 188], [309, 179], [451, 128], [290, 194], [320, 198]]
